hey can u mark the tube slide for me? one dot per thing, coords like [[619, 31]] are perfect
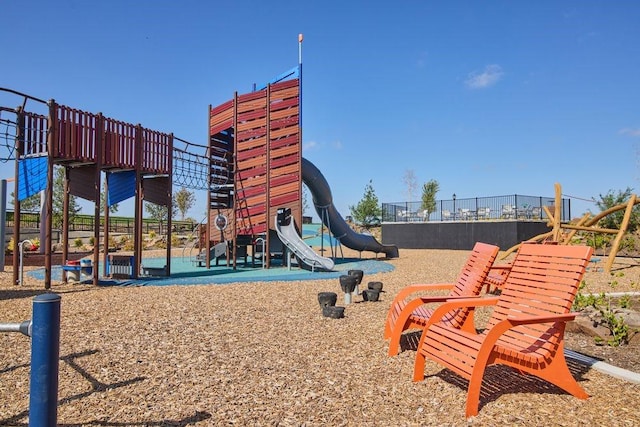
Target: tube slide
[[323, 202]]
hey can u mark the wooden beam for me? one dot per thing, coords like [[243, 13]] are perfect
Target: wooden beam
[[572, 233], [623, 229], [557, 213], [594, 229]]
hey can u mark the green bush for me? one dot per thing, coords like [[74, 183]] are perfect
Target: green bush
[[616, 324], [597, 240]]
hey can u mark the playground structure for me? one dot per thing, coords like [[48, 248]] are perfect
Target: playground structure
[[563, 233], [255, 157], [137, 162], [257, 170], [252, 167]]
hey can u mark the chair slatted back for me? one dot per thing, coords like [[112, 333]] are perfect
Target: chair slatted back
[[543, 281], [475, 270]]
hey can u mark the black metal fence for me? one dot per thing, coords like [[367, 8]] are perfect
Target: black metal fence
[[116, 224], [510, 207]]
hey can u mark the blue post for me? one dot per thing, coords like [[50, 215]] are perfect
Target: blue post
[[45, 351]]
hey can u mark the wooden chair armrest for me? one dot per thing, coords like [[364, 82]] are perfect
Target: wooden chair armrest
[[452, 304], [418, 287], [417, 302], [445, 298], [497, 276], [527, 320]]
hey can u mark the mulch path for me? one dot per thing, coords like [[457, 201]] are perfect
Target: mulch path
[[262, 354]]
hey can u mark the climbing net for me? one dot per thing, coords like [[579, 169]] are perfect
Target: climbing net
[[8, 133], [34, 126], [190, 165]]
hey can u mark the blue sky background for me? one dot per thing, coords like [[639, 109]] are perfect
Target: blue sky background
[[488, 98]]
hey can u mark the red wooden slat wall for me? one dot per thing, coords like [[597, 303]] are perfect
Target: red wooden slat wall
[[251, 158], [76, 135], [120, 141], [285, 148], [267, 152], [35, 134]]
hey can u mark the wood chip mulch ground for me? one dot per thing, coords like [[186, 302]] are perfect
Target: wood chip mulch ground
[[263, 354]]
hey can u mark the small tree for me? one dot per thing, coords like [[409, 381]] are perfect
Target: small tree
[[429, 191], [58, 199], [30, 204], [160, 213], [184, 200], [368, 211], [305, 199], [614, 220]]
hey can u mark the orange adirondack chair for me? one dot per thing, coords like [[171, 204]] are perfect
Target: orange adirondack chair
[[407, 313], [496, 277], [526, 328], [499, 272]]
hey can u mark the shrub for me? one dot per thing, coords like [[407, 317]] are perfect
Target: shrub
[[625, 301], [10, 247], [597, 240], [615, 324], [128, 245], [628, 243]]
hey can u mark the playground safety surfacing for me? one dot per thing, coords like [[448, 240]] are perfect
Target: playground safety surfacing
[[185, 272]]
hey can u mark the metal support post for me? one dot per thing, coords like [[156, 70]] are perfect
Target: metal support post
[[45, 352]]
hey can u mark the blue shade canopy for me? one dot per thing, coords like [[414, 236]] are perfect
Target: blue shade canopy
[[32, 176], [122, 186]]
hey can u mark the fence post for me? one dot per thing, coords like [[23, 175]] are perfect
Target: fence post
[[45, 351], [476, 209]]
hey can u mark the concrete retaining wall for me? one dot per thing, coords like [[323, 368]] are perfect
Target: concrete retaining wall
[[460, 235]]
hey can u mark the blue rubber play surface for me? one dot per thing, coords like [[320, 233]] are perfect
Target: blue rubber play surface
[[315, 235], [185, 272]]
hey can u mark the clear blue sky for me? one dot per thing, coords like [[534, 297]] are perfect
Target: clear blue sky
[[488, 98]]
